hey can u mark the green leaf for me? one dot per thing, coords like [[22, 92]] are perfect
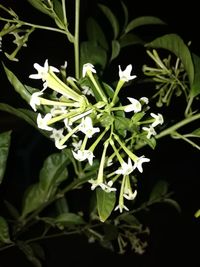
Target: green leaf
[[38, 250], [175, 44], [159, 190], [4, 231], [29, 252], [173, 203], [61, 205], [4, 149], [54, 171], [130, 39], [195, 88], [68, 218], [18, 86], [95, 33], [12, 210], [34, 198], [25, 114], [137, 117], [196, 133], [112, 19], [93, 53], [125, 10], [39, 5], [58, 9], [122, 125], [131, 220], [115, 49], [105, 203], [109, 91], [149, 141], [141, 21]]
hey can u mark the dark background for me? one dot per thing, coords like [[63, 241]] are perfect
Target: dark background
[[174, 237]]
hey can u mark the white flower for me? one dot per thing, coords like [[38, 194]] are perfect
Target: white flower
[[57, 110], [144, 100], [158, 119], [87, 128], [57, 134], [35, 100], [58, 145], [82, 155], [126, 74], [105, 187], [125, 169], [150, 131], [42, 122], [138, 163], [68, 123], [88, 67], [42, 71], [77, 145], [87, 90], [121, 207], [134, 106], [128, 194], [109, 162]]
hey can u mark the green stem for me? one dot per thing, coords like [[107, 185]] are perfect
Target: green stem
[[20, 22], [64, 12], [189, 104], [180, 136], [76, 39], [177, 126]]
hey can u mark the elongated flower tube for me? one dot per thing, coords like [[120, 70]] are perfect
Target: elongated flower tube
[[47, 75]]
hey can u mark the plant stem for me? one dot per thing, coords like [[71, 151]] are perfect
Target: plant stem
[[180, 136], [178, 125], [20, 22], [64, 12], [76, 38]]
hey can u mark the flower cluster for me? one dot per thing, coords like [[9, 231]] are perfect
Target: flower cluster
[[82, 115]]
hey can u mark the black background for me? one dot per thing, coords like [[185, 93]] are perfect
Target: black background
[[174, 237]]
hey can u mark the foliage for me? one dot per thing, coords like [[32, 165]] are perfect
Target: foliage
[[99, 134]]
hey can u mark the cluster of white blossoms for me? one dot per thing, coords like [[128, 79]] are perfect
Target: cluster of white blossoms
[[83, 118]]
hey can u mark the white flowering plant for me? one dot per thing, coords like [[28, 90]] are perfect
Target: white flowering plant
[[102, 136]]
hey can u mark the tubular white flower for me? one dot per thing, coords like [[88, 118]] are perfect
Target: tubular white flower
[[126, 74], [88, 67], [120, 207], [77, 145], [134, 106], [104, 186], [128, 194], [58, 145], [150, 131], [144, 99], [57, 110], [125, 169], [158, 119], [42, 71], [47, 75], [35, 100], [57, 134], [87, 90], [138, 163], [87, 128], [82, 155], [42, 122]]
